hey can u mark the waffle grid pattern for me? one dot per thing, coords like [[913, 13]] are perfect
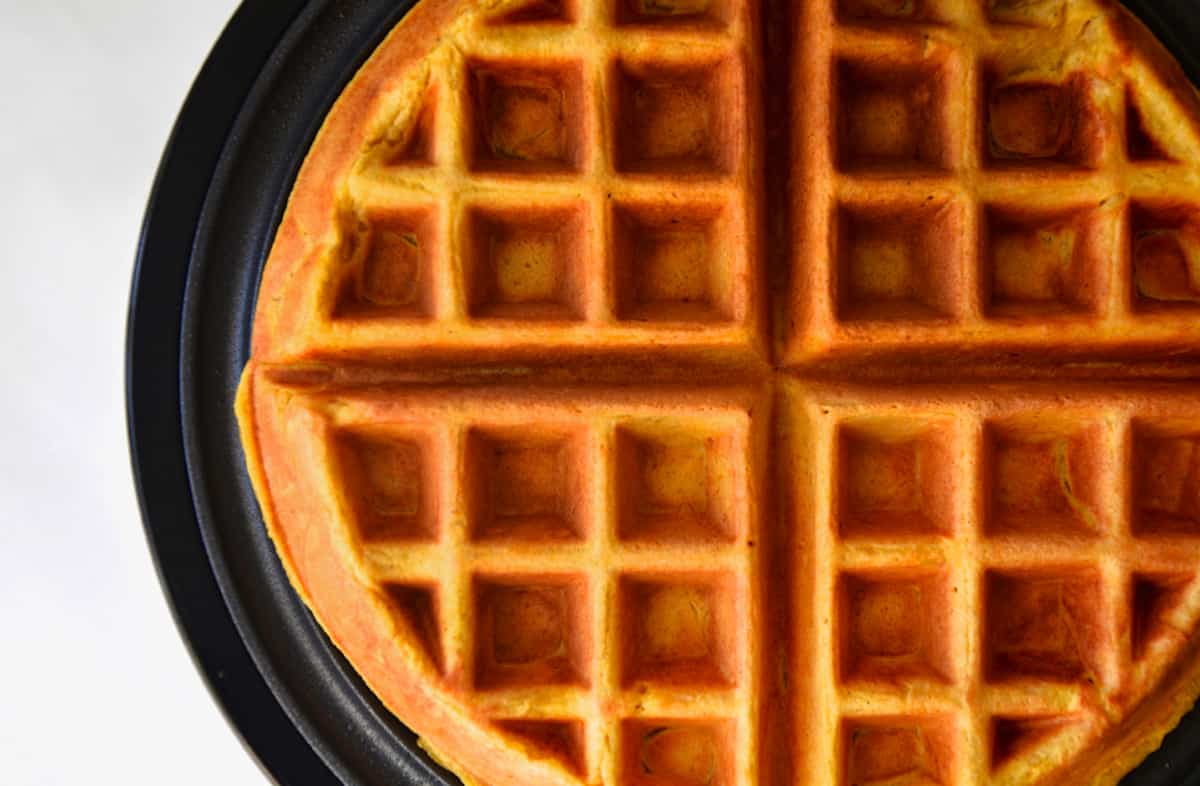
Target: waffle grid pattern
[[444, 248], [1048, 235], [913, 668], [980, 582], [525, 609]]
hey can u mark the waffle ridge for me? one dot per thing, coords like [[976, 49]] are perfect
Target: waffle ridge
[[603, 403]]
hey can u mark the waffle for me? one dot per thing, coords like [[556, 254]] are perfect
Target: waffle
[[1002, 183], [700, 393]]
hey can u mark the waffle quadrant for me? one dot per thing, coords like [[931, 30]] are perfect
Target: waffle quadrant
[[997, 184], [716, 393]]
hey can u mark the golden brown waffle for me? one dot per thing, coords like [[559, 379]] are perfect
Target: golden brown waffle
[[991, 588], [603, 408], [492, 196], [982, 178]]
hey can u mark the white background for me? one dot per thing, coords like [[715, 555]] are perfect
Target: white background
[[95, 684]]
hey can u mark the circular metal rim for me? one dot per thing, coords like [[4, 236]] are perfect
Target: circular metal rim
[[152, 403], [290, 737]]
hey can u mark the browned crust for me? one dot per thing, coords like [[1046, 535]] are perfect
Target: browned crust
[[284, 445], [819, 342], [310, 217], [1142, 731], [1137, 42], [353, 618]]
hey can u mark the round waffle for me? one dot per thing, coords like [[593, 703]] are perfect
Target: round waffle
[[603, 401]]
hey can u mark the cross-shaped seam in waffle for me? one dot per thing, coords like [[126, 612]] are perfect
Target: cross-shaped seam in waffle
[[972, 585]]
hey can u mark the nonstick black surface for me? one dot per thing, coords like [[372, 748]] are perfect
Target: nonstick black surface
[[218, 196]]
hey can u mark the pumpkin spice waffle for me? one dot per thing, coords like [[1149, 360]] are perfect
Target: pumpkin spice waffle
[[601, 403], [986, 178]]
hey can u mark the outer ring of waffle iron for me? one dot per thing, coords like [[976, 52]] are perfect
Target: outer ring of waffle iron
[[224, 178]]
